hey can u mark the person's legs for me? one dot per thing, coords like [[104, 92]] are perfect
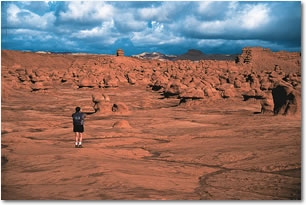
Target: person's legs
[[77, 138], [80, 138]]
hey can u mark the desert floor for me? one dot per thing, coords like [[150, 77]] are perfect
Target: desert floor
[[218, 150]]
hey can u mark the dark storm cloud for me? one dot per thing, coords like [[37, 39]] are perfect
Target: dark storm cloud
[[168, 27]]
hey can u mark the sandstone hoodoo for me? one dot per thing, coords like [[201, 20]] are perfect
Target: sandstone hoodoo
[[183, 79], [120, 52], [102, 104]]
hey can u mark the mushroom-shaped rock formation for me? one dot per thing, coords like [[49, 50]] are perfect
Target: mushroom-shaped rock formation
[[120, 52]]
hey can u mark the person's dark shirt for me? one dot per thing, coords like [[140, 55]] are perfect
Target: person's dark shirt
[[78, 118]]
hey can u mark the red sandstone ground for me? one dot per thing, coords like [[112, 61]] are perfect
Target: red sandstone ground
[[203, 142]]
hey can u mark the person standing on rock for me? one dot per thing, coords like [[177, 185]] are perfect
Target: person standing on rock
[[78, 126]]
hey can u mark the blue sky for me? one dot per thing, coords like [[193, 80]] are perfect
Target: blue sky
[[168, 27]]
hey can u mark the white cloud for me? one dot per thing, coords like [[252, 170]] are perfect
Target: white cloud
[[157, 35], [207, 8], [31, 35], [166, 12], [192, 25], [103, 33], [23, 18], [126, 22], [255, 16], [95, 24], [150, 13], [210, 42], [88, 10], [238, 20], [156, 26]]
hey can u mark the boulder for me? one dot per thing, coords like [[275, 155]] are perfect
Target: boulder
[[232, 77], [121, 78], [255, 83], [65, 77], [228, 93], [102, 103], [252, 93], [212, 80], [223, 79], [226, 86], [120, 108], [265, 84], [111, 81], [245, 87], [155, 76], [209, 91], [186, 80], [100, 97], [174, 87], [267, 104], [237, 83], [286, 100], [103, 107], [159, 84], [122, 124], [86, 82], [38, 86], [192, 93], [131, 78]]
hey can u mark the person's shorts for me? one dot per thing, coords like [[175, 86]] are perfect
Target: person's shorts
[[78, 128]]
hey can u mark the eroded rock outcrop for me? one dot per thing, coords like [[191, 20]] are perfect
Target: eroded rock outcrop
[[102, 104], [286, 100], [257, 72], [120, 52]]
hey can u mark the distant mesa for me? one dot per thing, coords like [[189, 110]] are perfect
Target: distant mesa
[[43, 52], [192, 54], [196, 55], [120, 52], [155, 56]]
